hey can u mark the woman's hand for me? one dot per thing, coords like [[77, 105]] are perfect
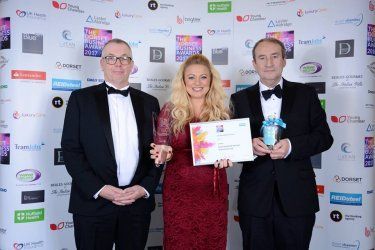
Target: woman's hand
[[223, 163], [161, 153]]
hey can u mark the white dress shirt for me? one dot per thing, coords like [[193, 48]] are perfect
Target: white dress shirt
[[271, 108], [125, 136]]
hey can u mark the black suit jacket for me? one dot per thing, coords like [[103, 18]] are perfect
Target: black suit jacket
[[88, 150], [308, 133]]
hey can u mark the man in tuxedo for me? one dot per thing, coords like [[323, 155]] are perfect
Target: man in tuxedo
[[105, 142], [277, 191]]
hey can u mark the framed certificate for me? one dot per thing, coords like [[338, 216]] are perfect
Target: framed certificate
[[227, 139]]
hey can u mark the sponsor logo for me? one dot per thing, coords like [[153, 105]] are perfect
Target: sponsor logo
[[219, 7], [346, 245], [320, 87], [158, 83], [157, 54], [58, 157], [347, 81], [346, 179], [60, 188], [315, 41], [61, 225], [5, 33], [347, 119], [134, 69], [316, 161], [371, 67], [28, 175], [3, 230], [3, 60], [32, 196], [65, 84], [3, 190], [240, 87], [119, 14], [220, 56], [320, 189], [278, 2], [311, 67], [371, 5], [247, 72], [4, 148], [250, 18], [94, 41], [371, 39], [31, 15], [97, 20], [32, 215], [30, 147], [28, 245], [302, 12], [3, 124], [347, 154], [370, 127], [191, 20], [69, 66], [344, 48], [369, 231], [165, 31], [225, 83], [186, 46], [287, 37], [219, 32], [67, 6], [357, 20], [28, 75], [57, 102], [279, 23], [66, 40], [346, 199], [94, 80], [336, 216], [18, 115], [153, 5], [369, 152], [32, 43]]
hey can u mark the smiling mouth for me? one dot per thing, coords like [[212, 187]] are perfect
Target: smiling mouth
[[197, 89]]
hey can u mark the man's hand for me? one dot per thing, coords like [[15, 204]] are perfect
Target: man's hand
[[110, 192], [259, 148], [129, 195], [280, 150]]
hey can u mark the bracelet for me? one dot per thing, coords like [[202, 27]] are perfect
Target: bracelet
[[168, 159]]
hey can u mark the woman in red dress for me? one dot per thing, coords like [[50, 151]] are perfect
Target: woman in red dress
[[195, 199]]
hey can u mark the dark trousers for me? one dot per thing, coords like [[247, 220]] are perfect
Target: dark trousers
[[276, 231], [127, 230]]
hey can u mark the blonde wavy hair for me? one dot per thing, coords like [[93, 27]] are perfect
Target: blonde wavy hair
[[181, 107]]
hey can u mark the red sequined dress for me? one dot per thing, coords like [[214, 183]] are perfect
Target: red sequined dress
[[194, 212]]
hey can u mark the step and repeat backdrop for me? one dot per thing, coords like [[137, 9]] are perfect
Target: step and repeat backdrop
[[50, 48]]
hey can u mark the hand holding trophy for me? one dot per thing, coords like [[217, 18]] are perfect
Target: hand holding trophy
[[161, 152], [271, 130]]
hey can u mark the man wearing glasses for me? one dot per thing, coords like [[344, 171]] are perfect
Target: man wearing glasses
[[105, 141]]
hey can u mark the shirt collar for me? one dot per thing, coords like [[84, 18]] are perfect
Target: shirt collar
[[264, 87], [111, 85]]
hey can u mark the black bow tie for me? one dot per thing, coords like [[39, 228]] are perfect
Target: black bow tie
[[268, 93], [124, 92]]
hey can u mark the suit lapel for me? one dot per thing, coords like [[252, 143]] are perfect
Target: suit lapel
[[255, 104], [101, 98], [287, 100], [255, 110], [138, 112]]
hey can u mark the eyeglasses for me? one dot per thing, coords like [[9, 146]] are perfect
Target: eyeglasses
[[124, 60]]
